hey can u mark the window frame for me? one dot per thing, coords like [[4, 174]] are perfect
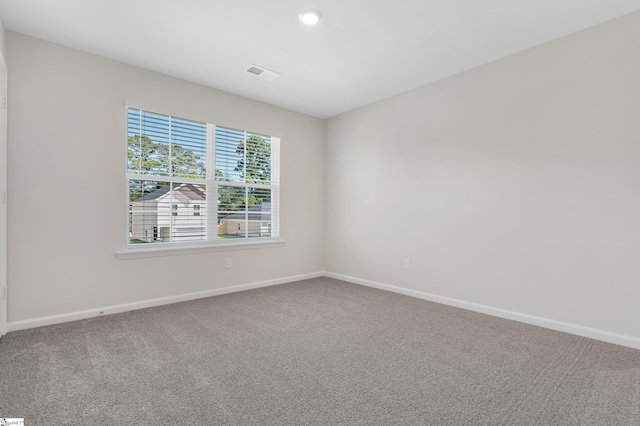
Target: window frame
[[212, 242]]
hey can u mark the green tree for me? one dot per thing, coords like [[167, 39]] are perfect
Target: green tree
[[147, 157], [257, 160], [254, 166], [230, 198]]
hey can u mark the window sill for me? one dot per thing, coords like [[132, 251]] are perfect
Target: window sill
[[143, 250]]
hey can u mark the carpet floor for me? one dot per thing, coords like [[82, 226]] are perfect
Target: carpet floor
[[314, 352]]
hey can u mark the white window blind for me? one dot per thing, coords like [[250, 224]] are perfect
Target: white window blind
[[243, 173], [176, 166]]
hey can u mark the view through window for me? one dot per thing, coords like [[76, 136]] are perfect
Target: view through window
[[190, 181]]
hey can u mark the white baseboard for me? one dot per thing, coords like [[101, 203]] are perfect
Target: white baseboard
[[90, 313], [605, 336], [593, 333]]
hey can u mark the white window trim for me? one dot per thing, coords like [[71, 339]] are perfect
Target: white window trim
[[212, 245], [137, 252]]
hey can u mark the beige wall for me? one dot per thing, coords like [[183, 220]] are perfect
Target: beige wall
[[3, 185], [513, 185], [2, 38], [516, 184], [67, 157]]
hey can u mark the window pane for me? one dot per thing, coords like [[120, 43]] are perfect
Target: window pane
[[257, 164], [162, 212], [185, 226], [229, 155], [188, 148], [244, 212], [166, 146], [259, 215], [144, 215], [148, 143], [231, 211], [258, 196]]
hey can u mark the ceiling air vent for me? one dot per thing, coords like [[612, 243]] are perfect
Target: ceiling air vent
[[263, 73]]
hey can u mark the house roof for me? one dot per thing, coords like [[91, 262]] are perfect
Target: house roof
[[191, 191], [259, 212]]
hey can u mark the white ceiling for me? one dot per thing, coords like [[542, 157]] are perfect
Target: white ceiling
[[360, 52]]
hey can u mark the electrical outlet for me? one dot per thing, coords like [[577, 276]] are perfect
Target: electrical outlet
[[406, 264], [228, 263]]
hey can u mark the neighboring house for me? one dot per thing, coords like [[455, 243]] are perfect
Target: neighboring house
[[254, 223], [164, 215]]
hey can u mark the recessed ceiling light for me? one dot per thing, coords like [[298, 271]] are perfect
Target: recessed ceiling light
[[309, 17]]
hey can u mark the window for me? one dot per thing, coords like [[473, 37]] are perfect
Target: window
[[228, 177]]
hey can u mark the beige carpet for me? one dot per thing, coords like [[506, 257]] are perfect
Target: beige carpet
[[316, 352]]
